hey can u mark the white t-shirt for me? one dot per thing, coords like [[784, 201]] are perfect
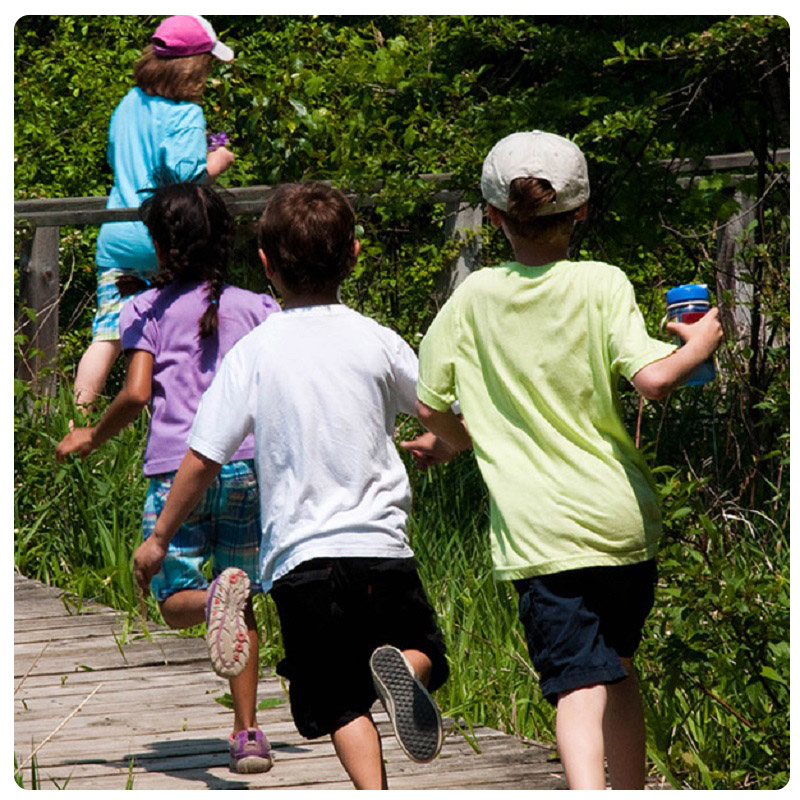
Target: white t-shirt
[[320, 388]]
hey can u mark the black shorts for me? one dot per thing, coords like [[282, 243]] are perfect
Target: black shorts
[[578, 623], [334, 612]]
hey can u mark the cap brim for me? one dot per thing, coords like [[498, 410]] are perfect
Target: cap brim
[[222, 51]]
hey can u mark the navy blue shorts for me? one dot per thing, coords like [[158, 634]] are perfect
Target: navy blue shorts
[[579, 622], [334, 612]]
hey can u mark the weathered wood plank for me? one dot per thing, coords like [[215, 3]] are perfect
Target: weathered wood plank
[[723, 162], [160, 727], [243, 201]]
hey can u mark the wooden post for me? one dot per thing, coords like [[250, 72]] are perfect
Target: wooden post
[[39, 291], [737, 318], [463, 223]]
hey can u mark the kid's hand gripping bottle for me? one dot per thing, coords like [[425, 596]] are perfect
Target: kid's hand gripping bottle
[[687, 304]]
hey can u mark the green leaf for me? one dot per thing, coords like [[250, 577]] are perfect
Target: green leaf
[[298, 107], [773, 675]]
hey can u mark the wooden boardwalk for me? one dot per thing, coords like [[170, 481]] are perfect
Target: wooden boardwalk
[[100, 707]]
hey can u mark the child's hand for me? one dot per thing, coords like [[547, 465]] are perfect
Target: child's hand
[[707, 332], [218, 161], [428, 449], [80, 441], [147, 561]]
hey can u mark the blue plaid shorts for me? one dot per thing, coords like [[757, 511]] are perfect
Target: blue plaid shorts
[[105, 326], [225, 527]]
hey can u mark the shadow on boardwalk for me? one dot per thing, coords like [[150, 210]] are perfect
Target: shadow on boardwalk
[[148, 719]]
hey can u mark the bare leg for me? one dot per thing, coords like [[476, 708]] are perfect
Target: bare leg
[[421, 665], [187, 608], [624, 732], [358, 745], [579, 736], [244, 687], [93, 370]]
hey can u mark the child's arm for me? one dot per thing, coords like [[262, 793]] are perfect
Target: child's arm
[[658, 379], [195, 474], [446, 425], [124, 409], [429, 449]]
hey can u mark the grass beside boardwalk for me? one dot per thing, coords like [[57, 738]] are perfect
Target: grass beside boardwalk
[[715, 661]]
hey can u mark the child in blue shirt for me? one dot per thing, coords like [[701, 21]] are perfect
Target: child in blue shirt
[[157, 125]]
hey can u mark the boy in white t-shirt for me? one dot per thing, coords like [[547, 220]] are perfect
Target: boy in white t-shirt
[[320, 391]]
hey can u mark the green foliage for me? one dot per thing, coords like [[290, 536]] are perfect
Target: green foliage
[[78, 523], [719, 651], [370, 103]]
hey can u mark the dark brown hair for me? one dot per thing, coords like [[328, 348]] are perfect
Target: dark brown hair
[[526, 198], [307, 232], [182, 79], [193, 232]]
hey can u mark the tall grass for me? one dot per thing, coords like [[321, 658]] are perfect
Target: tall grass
[[492, 682], [77, 523]]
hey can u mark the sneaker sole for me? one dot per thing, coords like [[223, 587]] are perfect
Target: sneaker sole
[[415, 717], [226, 625], [250, 764]]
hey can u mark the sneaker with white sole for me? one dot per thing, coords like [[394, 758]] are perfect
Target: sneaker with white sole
[[226, 629], [249, 752], [414, 715]]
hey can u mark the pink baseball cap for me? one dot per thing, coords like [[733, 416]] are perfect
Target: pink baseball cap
[[185, 35]]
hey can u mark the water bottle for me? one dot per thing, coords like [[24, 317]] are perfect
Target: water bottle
[[687, 304]]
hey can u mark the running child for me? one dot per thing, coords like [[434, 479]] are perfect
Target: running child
[[175, 336], [533, 350], [320, 386], [157, 125]]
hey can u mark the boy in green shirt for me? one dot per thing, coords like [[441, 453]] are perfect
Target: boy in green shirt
[[532, 350]]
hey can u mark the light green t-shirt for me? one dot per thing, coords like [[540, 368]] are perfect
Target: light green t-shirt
[[533, 356]]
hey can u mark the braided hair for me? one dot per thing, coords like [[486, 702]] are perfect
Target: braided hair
[[193, 233]]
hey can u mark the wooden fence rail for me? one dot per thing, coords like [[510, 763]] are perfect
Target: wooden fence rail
[[39, 267]]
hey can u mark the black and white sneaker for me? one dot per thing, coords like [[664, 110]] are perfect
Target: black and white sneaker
[[415, 718]]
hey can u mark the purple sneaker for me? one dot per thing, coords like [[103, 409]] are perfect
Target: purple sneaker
[[250, 752], [226, 634]]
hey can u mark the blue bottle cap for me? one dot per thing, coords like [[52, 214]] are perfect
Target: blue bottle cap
[[687, 292]]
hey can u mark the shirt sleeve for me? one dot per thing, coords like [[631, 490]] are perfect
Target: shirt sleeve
[[630, 347], [137, 328], [436, 384], [224, 416], [405, 373], [270, 306], [184, 149]]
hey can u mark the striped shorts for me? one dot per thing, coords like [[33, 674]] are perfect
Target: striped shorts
[[224, 527]]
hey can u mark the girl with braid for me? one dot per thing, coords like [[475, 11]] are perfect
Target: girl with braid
[[175, 335]]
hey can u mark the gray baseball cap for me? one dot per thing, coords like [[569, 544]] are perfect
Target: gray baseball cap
[[536, 154]]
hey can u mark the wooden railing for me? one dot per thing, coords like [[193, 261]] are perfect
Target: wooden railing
[[39, 270]]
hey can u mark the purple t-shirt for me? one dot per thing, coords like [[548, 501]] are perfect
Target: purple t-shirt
[[165, 322]]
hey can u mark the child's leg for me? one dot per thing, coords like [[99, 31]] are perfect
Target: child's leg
[[579, 736], [603, 720], [184, 609], [420, 663], [358, 746], [244, 687], [624, 732], [187, 608], [93, 370]]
